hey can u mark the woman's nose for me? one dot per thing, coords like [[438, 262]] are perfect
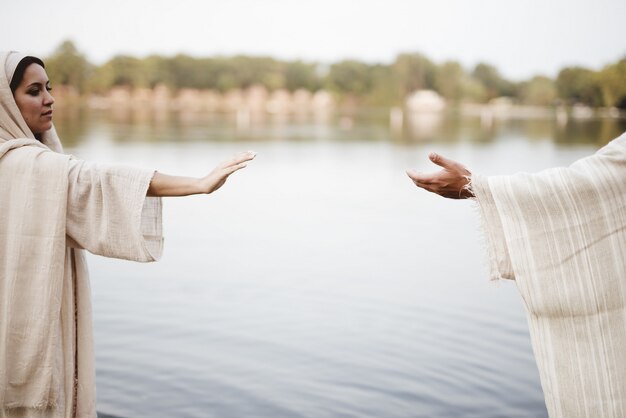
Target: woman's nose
[[48, 99]]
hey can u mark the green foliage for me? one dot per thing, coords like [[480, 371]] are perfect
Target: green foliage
[[122, 70], [184, 71], [449, 80], [579, 85], [301, 75], [473, 90], [349, 76], [612, 82], [66, 66], [157, 71], [372, 84], [414, 72], [384, 90], [539, 90], [128, 71], [494, 84]]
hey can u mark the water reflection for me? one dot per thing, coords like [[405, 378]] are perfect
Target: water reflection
[[161, 125], [319, 282]]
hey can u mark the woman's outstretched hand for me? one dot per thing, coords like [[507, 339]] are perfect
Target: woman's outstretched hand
[[216, 178], [163, 185], [452, 181]]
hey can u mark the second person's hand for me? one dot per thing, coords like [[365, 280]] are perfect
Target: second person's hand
[[451, 182]]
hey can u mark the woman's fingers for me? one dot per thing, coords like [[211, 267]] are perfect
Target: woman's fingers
[[230, 170], [216, 178], [239, 158]]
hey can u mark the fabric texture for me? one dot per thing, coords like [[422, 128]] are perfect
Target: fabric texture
[[561, 235], [51, 207]]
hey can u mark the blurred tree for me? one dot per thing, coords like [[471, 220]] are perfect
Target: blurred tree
[[225, 77], [121, 70], [414, 72], [248, 71], [449, 80], [612, 82], [244, 69], [373, 84], [301, 75], [101, 79], [158, 71], [473, 90], [494, 84], [67, 66], [272, 73], [383, 91], [579, 85], [349, 76], [539, 91], [189, 72]]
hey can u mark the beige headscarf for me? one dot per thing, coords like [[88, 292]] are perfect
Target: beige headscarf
[[33, 200], [12, 124]]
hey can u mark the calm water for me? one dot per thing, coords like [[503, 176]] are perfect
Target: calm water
[[319, 282]]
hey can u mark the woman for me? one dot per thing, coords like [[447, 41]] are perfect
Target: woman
[[52, 206], [561, 235]]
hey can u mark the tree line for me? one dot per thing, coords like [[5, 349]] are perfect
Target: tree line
[[369, 84]]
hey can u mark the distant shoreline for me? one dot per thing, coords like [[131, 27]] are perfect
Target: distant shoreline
[[258, 100]]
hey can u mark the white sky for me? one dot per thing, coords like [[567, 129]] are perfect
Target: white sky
[[520, 37]]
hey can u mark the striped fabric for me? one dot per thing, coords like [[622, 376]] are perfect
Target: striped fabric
[[561, 235]]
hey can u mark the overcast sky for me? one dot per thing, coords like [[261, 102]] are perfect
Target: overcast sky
[[521, 38]]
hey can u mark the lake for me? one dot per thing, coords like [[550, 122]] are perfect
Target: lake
[[319, 282]]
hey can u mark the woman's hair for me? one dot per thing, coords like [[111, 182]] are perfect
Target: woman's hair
[[18, 75]]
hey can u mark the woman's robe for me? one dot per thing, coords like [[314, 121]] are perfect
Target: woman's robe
[[51, 206], [561, 235], [46, 329]]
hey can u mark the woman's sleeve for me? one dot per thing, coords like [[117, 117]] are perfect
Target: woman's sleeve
[[109, 214]]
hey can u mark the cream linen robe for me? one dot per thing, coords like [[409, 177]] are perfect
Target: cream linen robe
[[51, 205], [561, 235]]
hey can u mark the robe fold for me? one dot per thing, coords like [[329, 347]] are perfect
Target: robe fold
[[52, 206], [561, 235]]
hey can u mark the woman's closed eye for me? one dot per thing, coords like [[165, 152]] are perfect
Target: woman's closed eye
[[35, 90]]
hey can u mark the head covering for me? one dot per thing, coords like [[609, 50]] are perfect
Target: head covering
[[12, 124], [13, 58]]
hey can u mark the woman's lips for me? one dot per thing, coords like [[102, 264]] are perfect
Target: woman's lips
[[47, 114]]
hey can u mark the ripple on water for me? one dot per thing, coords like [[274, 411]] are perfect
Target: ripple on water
[[320, 286]]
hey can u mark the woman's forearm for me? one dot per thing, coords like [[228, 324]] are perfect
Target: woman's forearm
[[164, 185]]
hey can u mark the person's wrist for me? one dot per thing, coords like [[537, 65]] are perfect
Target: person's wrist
[[198, 186], [466, 191]]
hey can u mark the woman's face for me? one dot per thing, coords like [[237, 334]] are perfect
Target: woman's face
[[34, 100]]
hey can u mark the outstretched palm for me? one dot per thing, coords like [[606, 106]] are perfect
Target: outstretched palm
[[451, 182], [216, 178]]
